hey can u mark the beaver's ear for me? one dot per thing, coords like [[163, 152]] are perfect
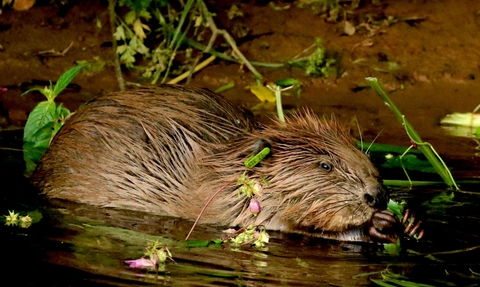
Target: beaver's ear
[[262, 143]]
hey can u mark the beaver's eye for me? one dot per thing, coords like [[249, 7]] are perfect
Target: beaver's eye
[[326, 166]]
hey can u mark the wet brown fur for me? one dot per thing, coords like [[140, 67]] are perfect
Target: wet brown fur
[[167, 150]]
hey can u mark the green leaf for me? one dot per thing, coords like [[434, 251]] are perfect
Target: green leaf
[[197, 243], [130, 17], [62, 112], [119, 33], [65, 79], [121, 49], [385, 148], [35, 215], [410, 162], [44, 91], [144, 14], [396, 208], [443, 197], [31, 156], [288, 82], [43, 114], [393, 248]]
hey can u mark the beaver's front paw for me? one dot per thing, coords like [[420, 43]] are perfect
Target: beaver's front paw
[[384, 226], [415, 224]]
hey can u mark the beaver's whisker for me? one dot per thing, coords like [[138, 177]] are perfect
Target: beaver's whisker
[[359, 134], [368, 149]]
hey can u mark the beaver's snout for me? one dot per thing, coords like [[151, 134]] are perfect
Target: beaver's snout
[[376, 196]]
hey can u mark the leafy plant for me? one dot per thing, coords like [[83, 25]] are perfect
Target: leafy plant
[[45, 120], [318, 64], [432, 156], [146, 20]]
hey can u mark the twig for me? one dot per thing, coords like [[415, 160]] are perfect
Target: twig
[[118, 69], [53, 53], [215, 31]]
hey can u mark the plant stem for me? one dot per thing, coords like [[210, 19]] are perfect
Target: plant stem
[[196, 69], [118, 68], [215, 31], [185, 11], [225, 57], [431, 156], [278, 99]]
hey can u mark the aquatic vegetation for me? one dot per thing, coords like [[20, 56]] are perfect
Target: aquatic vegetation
[[155, 257], [256, 236]]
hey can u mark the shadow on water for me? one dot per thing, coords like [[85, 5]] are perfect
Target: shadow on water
[[77, 245]]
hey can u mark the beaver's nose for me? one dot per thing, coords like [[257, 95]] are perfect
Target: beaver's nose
[[376, 196]]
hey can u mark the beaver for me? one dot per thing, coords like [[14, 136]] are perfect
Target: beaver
[[168, 150]]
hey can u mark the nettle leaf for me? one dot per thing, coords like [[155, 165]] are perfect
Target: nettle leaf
[[43, 114], [65, 79]]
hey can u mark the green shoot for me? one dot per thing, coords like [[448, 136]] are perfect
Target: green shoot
[[45, 120], [431, 155]]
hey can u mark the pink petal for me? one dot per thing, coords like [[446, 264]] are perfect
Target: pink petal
[[140, 263]]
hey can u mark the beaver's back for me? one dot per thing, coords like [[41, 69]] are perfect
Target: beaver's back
[[134, 149]]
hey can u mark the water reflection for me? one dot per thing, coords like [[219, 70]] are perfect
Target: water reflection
[[79, 245]]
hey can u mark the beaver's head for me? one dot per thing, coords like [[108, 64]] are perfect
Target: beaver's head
[[318, 180]]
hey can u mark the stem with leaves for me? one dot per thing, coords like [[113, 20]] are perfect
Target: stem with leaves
[[426, 148], [45, 120]]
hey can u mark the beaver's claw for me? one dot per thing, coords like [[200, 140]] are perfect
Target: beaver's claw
[[383, 226], [415, 224], [386, 227]]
